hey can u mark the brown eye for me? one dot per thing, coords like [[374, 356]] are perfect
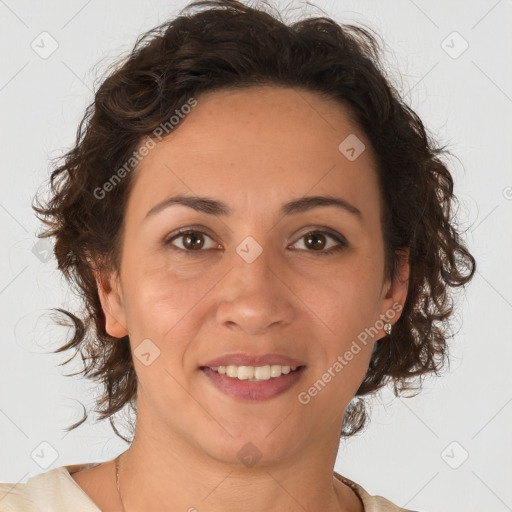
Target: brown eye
[[195, 241], [191, 241], [315, 241]]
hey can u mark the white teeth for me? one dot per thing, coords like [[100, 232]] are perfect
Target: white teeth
[[253, 373]]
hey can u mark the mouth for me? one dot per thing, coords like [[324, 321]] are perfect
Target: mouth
[[253, 383]]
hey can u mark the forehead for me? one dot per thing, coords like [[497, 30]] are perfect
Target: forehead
[[277, 118], [255, 144]]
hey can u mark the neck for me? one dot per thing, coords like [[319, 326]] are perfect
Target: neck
[[176, 477]]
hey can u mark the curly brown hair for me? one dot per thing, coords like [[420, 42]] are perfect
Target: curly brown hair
[[229, 45]]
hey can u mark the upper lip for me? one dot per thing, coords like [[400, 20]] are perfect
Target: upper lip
[[243, 359]]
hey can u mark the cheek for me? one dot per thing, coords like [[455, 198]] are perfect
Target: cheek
[[345, 300], [160, 301], [346, 304]]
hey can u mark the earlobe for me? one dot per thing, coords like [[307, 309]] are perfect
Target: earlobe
[[112, 304]]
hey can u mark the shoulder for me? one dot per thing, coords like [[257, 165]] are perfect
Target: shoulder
[[53, 490], [370, 502], [13, 497]]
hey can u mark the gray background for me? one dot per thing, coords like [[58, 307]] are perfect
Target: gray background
[[414, 449]]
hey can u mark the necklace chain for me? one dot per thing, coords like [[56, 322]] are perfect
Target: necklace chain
[[117, 483]]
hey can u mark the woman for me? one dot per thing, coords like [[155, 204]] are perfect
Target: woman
[[261, 232]]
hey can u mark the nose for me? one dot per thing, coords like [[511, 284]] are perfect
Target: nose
[[256, 296]]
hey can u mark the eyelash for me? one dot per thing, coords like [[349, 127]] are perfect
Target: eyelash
[[186, 231]]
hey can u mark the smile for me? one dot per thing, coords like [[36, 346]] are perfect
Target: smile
[[253, 383]]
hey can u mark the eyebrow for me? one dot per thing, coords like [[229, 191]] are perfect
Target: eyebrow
[[212, 206]]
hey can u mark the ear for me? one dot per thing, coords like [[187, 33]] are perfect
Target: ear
[[395, 292], [112, 303]]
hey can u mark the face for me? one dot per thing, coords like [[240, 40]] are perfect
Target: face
[[303, 283]]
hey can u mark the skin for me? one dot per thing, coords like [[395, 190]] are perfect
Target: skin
[[254, 150]]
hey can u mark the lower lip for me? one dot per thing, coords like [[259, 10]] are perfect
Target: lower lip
[[246, 390]]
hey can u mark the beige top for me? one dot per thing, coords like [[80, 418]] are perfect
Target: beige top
[[56, 491]]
